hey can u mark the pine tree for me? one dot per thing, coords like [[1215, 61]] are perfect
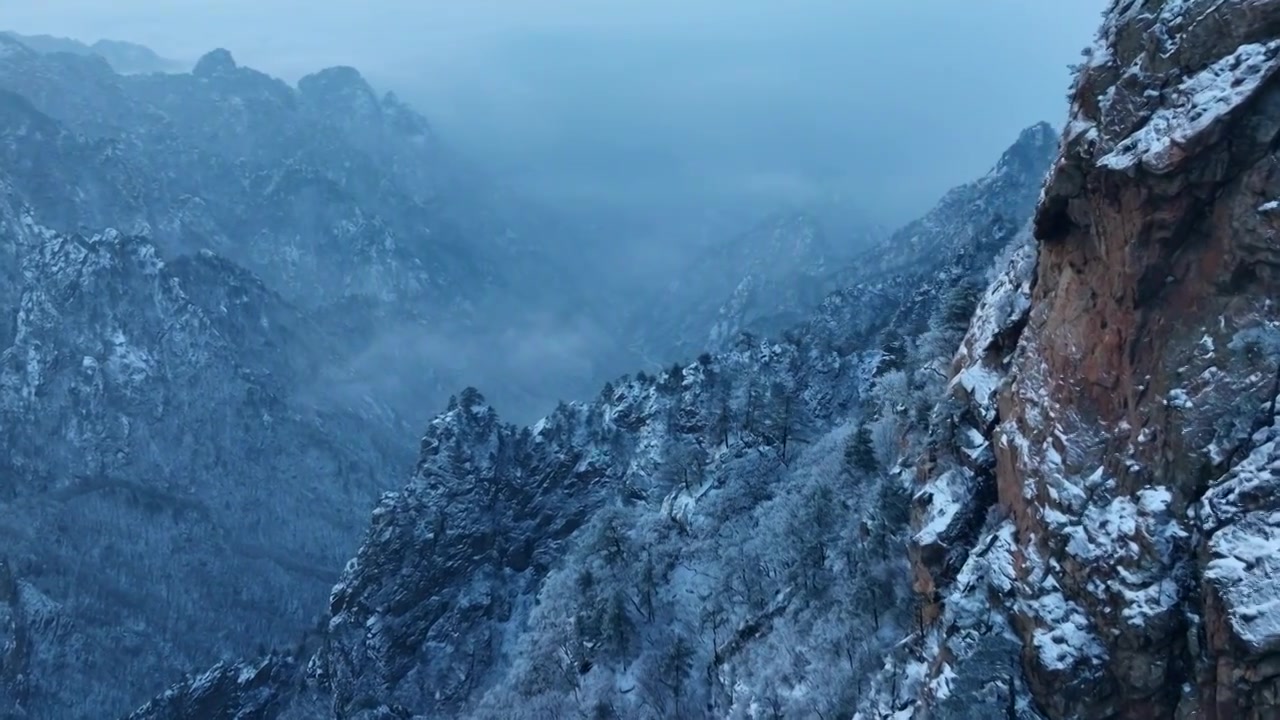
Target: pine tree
[[616, 628], [470, 399], [785, 421], [674, 668], [610, 540], [685, 463], [894, 349], [647, 588], [958, 304], [810, 531], [722, 421], [860, 452]]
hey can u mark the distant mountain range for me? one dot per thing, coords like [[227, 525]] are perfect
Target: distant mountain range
[[226, 302], [125, 58]]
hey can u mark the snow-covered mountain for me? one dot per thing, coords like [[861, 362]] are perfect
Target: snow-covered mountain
[[1070, 516], [340, 199], [198, 409], [1020, 463], [173, 488], [683, 545], [199, 406]]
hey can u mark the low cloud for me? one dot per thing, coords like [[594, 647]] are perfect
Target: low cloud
[[895, 102]]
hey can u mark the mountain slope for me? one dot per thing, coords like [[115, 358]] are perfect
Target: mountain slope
[[682, 545], [158, 441], [771, 277]]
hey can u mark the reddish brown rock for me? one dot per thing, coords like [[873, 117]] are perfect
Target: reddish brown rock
[[1135, 385], [1136, 446]]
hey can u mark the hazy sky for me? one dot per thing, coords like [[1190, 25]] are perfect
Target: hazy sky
[[667, 105]]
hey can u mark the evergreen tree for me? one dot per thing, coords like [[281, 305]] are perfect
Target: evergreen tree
[[675, 666], [610, 541], [785, 421], [860, 452], [685, 463], [811, 530], [647, 588], [959, 303], [616, 628], [722, 421], [894, 349]]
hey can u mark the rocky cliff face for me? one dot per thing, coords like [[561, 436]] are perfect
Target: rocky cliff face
[[1120, 393]]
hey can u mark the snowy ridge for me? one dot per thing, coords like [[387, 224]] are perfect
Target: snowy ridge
[[235, 691]]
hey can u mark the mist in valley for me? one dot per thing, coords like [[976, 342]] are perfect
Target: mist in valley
[[650, 132]]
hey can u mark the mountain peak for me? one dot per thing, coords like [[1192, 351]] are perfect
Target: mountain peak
[[128, 57], [123, 57], [1039, 135], [1028, 152], [215, 62], [336, 78], [341, 88]]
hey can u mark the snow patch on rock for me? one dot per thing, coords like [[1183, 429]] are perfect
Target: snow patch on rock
[[1196, 106]]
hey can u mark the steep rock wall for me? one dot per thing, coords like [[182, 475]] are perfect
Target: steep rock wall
[[1133, 433]]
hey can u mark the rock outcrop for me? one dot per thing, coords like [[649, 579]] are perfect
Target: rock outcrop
[[228, 691], [1122, 419]]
